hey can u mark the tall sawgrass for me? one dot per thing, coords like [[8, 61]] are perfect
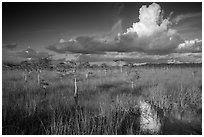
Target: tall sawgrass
[[107, 104]]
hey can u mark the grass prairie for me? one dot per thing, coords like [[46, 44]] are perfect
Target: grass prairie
[[108, 105]]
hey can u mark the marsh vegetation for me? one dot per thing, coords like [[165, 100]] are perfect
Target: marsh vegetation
[[107, 102]]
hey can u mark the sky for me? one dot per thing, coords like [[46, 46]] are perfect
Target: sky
[[102, 32]]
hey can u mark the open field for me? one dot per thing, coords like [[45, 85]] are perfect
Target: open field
[[107, 102]]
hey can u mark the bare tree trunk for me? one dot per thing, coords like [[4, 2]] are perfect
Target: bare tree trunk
[[76, 105], [75, 87], [76, 101], [38, 78], [132, 83], [25, 76], [87, 75]]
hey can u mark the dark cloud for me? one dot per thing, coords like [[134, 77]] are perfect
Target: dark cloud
[[11, 46], [18, 56], [86, 45], [187, 57], [159, 44], [196, 55], [31, 53], [83, 45], [137, 57]]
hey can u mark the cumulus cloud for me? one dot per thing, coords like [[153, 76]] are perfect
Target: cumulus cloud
[[11, 46], [151, 21], [62, 41], [190, 46], [151, 35]]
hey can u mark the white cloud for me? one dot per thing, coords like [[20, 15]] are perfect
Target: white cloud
[[151, 21], [190, 46], [153, 34], [72, 40], [62, 41]]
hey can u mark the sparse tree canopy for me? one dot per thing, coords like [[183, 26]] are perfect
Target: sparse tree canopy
[[84, 65], [104, 66]]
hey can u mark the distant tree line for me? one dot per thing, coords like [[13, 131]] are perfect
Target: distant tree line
[[46, 64]]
